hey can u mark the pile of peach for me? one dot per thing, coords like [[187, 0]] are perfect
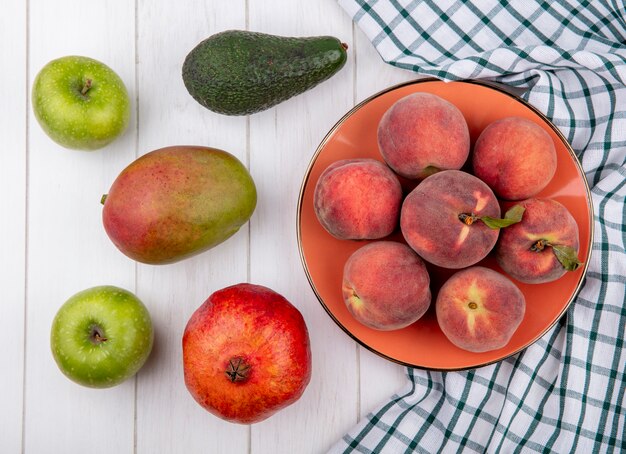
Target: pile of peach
[[451, 219]]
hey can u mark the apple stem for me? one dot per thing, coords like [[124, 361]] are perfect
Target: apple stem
[[237, 370], [103, 198], [96, 335], [86, 87]]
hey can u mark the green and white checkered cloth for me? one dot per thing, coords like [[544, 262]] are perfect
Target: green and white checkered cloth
[[565, 393]]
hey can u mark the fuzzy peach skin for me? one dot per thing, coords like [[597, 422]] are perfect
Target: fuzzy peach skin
[[515, 157], [546, 220], [358, 199], [479, 309], [386, 285], [421, 134], [430, 221]]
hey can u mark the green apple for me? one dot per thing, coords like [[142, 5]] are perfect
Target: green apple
[[80, 102], [101, 336]]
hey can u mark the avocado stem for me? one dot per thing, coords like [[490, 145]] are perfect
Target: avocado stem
[[86, 87], [345, 46]]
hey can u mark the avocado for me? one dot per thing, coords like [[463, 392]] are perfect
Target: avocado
[[238, 72]]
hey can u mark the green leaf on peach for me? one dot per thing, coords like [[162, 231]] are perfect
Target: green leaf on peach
[[512, 216], [567, 256]]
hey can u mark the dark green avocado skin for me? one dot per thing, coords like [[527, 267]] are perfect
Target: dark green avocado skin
[[238, 72]]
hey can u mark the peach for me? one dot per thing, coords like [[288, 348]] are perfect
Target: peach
[[386, 285], [421, 134], [543, 246], [358, 199], [441, 219], [515, 157], [479, 309]]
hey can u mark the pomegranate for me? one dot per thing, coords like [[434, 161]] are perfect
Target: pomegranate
[[246, 353]]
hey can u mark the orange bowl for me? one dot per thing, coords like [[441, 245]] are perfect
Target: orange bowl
[[423, 344]]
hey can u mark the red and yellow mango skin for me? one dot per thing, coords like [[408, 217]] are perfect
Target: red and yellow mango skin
[[430, 219], [544, 219], [479, 309], [176, 202]]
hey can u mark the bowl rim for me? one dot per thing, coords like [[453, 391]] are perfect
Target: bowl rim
[[488, 84]]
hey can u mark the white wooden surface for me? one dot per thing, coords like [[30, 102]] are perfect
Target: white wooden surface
[[54, 244]]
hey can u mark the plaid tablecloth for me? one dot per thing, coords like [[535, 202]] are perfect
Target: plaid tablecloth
[[565, 393]]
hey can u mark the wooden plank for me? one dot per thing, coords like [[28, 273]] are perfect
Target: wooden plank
[[13, 225], [68, 249], [282, 141], [168, 419], [379, 378]]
